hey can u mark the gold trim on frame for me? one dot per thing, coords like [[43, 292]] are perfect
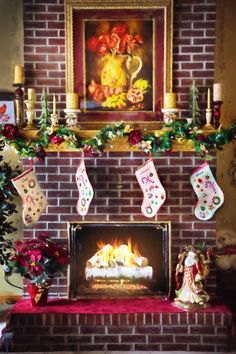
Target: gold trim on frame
[[76, 5]]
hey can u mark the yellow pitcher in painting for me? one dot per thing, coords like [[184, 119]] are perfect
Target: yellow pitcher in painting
[[114, 72]]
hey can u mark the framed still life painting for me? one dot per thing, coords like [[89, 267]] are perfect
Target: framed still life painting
[[119, 58]]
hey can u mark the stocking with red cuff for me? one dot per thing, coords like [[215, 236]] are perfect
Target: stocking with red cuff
[[34, 201], [85, 190], [154, 194], [210, 196]]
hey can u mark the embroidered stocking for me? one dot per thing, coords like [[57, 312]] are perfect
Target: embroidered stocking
[[34, 201], [154, 194], [208, 192], [85, 190]]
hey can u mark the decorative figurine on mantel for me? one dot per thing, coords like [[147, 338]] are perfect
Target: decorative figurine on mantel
[[194, 265], [170, 109], [19, 80], [45, 115], [72, 109]]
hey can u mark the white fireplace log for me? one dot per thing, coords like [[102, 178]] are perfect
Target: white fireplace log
[[119, 272], [140, 261], [99, 257]]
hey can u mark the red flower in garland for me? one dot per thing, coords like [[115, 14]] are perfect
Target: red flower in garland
[[56, 139], [10, 131], [135, 136]]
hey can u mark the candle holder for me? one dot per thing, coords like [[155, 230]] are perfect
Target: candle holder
[[30, 113], [170, 114], [54, 120], [217, 113], [19, 104], [72, 117], [208, 125]]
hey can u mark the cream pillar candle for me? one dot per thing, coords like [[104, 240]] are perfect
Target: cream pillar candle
[[217, 92], [19, 77], [170, 100], [72, 100], [31, 94], [208, 99]]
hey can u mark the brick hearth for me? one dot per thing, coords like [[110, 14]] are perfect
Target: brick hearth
[[153, 331]]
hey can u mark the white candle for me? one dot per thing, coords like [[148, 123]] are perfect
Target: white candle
[[217, 92], [170, 100], [54, 104], [208, 99], [31, 94], [19, 77], [72, 100]]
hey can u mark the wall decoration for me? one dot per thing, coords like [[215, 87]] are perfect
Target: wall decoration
[[7, 108], [119, 58]]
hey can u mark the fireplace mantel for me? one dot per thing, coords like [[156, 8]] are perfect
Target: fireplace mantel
[[118, 144]]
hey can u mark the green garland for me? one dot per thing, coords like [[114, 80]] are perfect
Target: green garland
[[149, 143]]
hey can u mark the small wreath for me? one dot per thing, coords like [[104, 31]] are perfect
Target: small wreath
[[32, 183], [216, 200]]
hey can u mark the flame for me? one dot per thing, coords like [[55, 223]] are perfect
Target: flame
[[118, 252]]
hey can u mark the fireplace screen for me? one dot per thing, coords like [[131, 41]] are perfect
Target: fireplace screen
[[119, 259]]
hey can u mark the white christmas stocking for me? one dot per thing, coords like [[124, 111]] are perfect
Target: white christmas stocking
[[85, 190], [154, 194], [34, 201], [208, 192]]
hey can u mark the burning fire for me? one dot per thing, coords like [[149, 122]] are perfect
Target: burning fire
[[117, 261], [118, 252]]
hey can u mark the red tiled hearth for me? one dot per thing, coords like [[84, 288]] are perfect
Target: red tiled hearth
[[121, 325]]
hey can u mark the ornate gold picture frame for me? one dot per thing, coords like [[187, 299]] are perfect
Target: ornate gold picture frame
[[119, 59]]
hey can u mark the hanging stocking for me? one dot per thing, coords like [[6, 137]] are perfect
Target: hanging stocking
[[154, 193], [208, 192], [34, 201], [85, 190]]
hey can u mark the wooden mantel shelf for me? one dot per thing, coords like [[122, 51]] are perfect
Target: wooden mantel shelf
[[119, 144]]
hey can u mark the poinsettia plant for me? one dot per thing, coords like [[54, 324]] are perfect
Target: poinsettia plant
[[38, 260]]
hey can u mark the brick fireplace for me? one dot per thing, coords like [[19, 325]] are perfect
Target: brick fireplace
[[118, 198]]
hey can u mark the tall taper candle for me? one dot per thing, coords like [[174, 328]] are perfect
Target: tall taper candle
[[54, 104], [208, 98], [19, 77]]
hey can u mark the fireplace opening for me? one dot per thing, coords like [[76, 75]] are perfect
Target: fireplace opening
[[119, 259]]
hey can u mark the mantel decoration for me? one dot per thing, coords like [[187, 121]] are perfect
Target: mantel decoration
[[38, 261], [177, 131]]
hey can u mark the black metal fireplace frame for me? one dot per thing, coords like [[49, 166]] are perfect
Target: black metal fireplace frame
[[73, 228]]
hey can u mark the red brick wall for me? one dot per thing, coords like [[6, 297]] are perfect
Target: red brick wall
[[194, 36]]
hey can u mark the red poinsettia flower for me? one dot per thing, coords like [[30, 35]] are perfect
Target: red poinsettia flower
[[135, 136], [56, 139], [10, 131]]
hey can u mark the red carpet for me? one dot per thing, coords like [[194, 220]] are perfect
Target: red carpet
[[108, 306]]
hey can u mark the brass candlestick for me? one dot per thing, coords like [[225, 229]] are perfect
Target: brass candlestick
[[19, 104], [208, 125]]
